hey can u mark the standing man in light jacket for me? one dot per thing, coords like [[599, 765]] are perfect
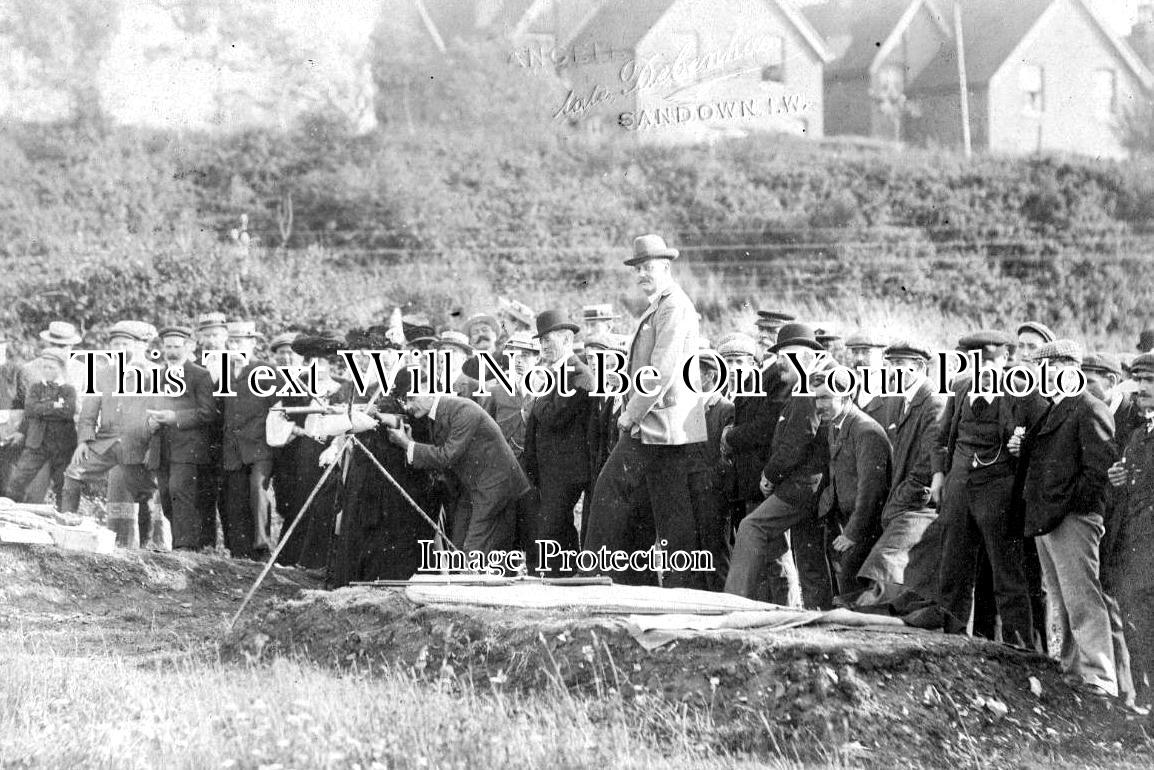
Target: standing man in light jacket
[[645, 477], [1067, 462]]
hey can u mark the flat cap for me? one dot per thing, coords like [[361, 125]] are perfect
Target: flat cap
[[1060, 349], [1145, 340], [282, 339], [708, 357], [210, 321], [55, 354], [907, 349], [737, 344], [1101, 362], [242, 329], [175, 331], [865, 339], [980, 339], [1038, 328], [602, 312], [136, 330], [1143, 364], [772, 319]]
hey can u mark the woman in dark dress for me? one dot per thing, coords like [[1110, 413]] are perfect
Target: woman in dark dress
[[379, 529]]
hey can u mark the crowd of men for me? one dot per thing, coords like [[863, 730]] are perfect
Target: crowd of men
[[999, 515]]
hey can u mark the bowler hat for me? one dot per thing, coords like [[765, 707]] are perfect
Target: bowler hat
[[981, 339], [320, 345], [1040, 329], [650, 246], [1107, 363], [796, 334], [552, 320], [210, 321], [175, 331], [1146, 340], [61, 334]]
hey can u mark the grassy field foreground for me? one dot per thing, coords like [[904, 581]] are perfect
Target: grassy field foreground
[[105, 711]]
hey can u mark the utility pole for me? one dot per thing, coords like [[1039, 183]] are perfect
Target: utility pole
[[967, 149]]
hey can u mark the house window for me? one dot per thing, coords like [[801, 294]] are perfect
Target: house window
[[1105, 93], [1030, 79], [774, 69]]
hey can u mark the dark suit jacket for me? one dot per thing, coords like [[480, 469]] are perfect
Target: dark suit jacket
[[244, 418], [556, 436], [1126, 420], [1013, 412], [912, 434], [468, 443], [859, 474], [48, 426], [188, 441], [755, 418], [1067, 462], [800, 453]]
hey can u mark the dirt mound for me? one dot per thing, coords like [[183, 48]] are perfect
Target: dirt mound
[[134, 602], [808, 693]]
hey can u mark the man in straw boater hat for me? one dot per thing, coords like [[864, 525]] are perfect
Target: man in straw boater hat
[[556, 436], [647, 472], [186, 425], [246, 505], [211, 338], [597, 320], [114, 437]]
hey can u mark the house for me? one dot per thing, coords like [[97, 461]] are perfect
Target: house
[[879, 47], [1042, 75], [677, 71]]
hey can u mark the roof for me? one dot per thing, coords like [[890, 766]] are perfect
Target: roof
[[993, 31], [626, 24], [855, 31]]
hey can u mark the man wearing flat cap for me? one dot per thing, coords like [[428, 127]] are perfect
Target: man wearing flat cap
[[556, 436], [115, 436], [1067, 459], [646, 474], [185, 425], [769, 323], [1146, 341], [1133, 479], [907, 555], [867, 351], [246, 505], [749, 441], [973, 482], [211, 338], [1032, 335]]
